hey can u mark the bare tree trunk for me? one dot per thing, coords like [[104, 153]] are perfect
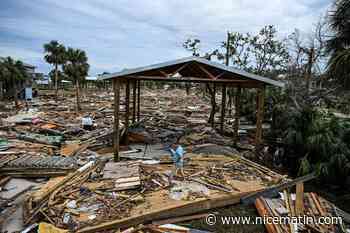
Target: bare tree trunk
[[56, 81], [77, 95]]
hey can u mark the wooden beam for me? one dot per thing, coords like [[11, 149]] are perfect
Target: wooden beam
[[223, 107], [299, 199], [275, 189], [127, 110], [178, 70], [163, 73], [175, 211], [190, 79], [219, 75], [259, 115], [210, 75], [134, 101], [237, 114], [228, 82], [116, 89], [138, 99]]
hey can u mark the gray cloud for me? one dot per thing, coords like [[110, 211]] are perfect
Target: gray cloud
[[126, 33]]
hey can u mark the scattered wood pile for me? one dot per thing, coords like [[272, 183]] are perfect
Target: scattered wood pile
[[118, 195], [74, 185], [301, 212]]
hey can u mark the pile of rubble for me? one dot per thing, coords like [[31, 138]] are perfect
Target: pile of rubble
[[308, 212], [56, 176]]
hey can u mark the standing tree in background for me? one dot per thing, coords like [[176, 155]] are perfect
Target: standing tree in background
[[14, 72], [238, 46], [236, 52], [55, 55], [268, 53], [192, 45], [3, 76], [76, 68], [307, 56], [338, 45]]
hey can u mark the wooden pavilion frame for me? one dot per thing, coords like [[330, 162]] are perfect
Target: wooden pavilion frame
[[194, 70]]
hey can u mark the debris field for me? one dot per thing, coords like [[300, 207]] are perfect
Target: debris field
[[59, 177]]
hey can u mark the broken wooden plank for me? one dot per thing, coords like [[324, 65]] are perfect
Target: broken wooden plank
[[211, 185], [264, 213], [274, 190], [317, 204], [299, 199], [176, 211]]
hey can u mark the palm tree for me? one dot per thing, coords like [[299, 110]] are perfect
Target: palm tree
[[14, 73], [3, 75], [76, 68], [55, 55], [338, 45]]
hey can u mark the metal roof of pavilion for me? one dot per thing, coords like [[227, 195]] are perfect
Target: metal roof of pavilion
[[214, 70]]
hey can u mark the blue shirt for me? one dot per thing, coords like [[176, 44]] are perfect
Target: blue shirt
[[177, 154]]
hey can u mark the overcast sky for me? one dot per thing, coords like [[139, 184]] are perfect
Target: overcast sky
[[119, 34]]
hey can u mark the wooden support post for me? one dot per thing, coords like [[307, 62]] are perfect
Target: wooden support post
[[213, 105], [237, 114], [259, 115], [134, 101], [299, 199], [127, 110], [116, 88], [138, 99], [223, 107]]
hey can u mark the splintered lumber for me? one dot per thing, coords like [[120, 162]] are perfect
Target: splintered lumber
[[211, 185], [287, 201], [257, 166], [272, 212], [299, 201], [264, 212], [312, 208], [48, 195], [168, 212], [127, 183], [317, 203], [65, 180], [273, 191]]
